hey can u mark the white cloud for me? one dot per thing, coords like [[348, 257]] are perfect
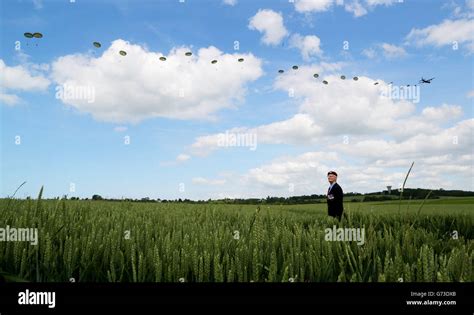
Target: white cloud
[[182, 157], [270, 23], [9, 99], [22, 78], [454, 140], [392, 51], [300, 129], [306, 173], [286, 170], [343, 108], [230, 2], [445, 33], [205, 181], [389, 51], [309, 46], [462, 11], [313, 5], [442, 113], [140, 86], [373, 3], [120, 128], [357, 7], [369, 53]]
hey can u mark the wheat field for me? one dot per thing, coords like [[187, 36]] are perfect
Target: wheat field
[[101, 241]]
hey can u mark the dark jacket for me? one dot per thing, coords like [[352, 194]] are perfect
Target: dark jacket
[[334, 199]]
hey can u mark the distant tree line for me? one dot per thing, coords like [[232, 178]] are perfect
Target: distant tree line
[[408, 193]]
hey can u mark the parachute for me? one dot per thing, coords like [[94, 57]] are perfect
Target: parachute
[[241, 60], [356, 78], [97, 44], [281, 71], [376, 83], [123, 52], [343, 77], [316, 75], [163, 58], [295, 67], [325, 82], [214, 61], [188, 53], [32, 35]]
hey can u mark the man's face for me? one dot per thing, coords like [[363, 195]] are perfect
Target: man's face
[[332, 178]]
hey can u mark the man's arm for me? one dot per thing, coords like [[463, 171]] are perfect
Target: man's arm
[[338, 194]]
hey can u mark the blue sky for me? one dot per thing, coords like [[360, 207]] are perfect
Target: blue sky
[[173, 151]]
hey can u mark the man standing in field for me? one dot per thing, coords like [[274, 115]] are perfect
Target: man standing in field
[[334, 196]]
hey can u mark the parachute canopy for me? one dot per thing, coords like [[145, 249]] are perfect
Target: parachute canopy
[[163, 58], [281, 71], [343, 77], [376, 83], [325, 82], [123, 52], [241, 60], [188, 53], [214, 61], [97, 44], [356, 78], [28, 35], [295, 67], [37, 35], [316, 75]]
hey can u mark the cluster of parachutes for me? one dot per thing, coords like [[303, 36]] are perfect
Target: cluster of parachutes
[[162, 58], [33, 35], [188, 54], [343, 77]]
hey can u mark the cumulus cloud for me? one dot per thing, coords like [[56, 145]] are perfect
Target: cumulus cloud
[[309, 45], [120, 128], [389, 51], [9, 99], [230, 2], [286, 170], [270, 23], [21, 78], [442, 113], [182, 157], [306, 173], [453, 140], [367, 136], [357, 7], [369, 53], [140, 86], [313, 5], [444, 34], [392, 51]]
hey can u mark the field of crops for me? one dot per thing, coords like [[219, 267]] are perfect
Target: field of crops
[[101, 241]]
